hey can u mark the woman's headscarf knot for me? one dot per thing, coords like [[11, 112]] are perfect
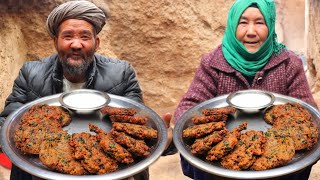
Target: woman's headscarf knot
[[81, 9]]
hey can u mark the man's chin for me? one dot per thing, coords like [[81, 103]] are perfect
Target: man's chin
[[75, 62]]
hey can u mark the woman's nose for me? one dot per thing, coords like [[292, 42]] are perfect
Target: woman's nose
[[251, 31]]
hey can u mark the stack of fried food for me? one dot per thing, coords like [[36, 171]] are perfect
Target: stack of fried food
[[130, 131], [40, 133], [292, 130]]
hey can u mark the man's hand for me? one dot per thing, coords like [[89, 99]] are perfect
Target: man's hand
[[167, 119]]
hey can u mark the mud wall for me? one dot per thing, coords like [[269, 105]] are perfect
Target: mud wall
[[164, 40]]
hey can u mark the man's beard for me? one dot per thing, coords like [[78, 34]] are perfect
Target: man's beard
[[75, 70]]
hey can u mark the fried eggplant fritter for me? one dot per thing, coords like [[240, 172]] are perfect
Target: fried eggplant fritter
[[286, 110], [48, 112], [135, 130], [57, 154], [110, 147], [203, 145], [251, 145], [116, 151], [304, 133], [118, 111], [129, 119], [208, 119], [31, 133], [227, 144], [201, 130], [223, 110], [135, 146], [88, 150], [37, 124], [278, 151]]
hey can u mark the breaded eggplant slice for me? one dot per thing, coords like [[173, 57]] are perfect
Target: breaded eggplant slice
[[201, 130], [203, 145], [279, 150], [286, 110], [135, 146], [48, 112], [30, 134], [135, 130], [57, 154], [208, 119], [304, 133], [88, 150], [110, 147], [250, 146], [118, 111], [129, 119], [223, 110], [227, 144]]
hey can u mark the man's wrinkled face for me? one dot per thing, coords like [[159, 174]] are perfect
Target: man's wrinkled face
[[76, 44]]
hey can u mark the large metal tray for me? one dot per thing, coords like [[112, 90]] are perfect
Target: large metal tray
[[255, 121], [33, 165]]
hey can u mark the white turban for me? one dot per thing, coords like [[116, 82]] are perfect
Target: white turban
[[81, 9]]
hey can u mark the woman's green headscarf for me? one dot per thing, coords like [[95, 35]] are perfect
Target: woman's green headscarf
[[234, 51]]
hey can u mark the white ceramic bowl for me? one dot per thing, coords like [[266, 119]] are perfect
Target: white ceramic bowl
[[84, 101], [251, 100]]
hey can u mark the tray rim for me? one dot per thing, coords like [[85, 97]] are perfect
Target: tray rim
[[220, 171], [47, 174]]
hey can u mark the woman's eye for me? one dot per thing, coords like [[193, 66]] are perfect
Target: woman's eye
[[243, 22]]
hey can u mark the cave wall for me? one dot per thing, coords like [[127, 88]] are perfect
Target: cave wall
[[164, 40], [313, 45]]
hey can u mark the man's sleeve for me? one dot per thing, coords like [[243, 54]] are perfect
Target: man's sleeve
[[132, 90]]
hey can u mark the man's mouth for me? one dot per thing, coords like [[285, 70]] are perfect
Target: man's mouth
[[76, 56]]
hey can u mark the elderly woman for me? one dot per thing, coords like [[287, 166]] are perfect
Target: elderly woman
[[249, 58]]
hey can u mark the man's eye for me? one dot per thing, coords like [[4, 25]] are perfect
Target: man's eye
[[67, 37]]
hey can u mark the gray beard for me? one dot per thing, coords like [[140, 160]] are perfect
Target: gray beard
[[76, 70]]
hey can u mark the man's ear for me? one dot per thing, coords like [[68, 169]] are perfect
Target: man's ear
[[97, 43], [55, 42]]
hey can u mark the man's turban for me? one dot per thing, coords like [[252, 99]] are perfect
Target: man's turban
[[83, 10]]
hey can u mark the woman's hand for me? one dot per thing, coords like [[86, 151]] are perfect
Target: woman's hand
[[167, 119]]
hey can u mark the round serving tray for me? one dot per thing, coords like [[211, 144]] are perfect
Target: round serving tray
[[255, 121], [33, 165]]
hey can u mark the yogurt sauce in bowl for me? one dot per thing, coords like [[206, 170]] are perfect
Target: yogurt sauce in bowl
[[251, 100], [84, 101]]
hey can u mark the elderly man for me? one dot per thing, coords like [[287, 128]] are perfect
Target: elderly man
[[73, 26]]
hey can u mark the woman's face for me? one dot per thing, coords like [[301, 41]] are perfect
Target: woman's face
[[252, 30]]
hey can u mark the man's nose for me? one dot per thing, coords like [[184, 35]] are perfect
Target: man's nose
[[76, 44]]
